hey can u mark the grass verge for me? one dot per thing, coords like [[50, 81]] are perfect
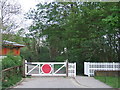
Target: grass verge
[[8, 82], [111, 81]]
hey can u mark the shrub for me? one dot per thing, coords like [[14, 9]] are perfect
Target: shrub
[[11, 81], [13, 76], [11, 61]]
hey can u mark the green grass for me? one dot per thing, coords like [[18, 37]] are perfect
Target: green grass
[[111, 81], [11, 81]]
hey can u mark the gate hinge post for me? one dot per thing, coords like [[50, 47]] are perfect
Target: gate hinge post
[[24, 68], [67, 67]]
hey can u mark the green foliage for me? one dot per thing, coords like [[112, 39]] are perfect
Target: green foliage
[[60, 58], [42, 54], [13, 76], [11, 81], [89, 31], [11, 61], [13, 37]]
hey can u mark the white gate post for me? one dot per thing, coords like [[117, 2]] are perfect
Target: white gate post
[[88, 69], [74, 69], [39, 66], [25, 67], [85, 72]]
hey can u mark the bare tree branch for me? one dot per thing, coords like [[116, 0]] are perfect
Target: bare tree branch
[[8, 10]]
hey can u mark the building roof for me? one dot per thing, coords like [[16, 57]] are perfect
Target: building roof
[[9, 43]]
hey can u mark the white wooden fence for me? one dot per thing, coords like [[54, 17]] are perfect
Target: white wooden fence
[[90, 67]]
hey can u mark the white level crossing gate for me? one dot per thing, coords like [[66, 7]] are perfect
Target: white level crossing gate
[[50, 69]]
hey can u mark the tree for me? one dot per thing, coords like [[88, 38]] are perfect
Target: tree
[[9, 9], [89, 31]]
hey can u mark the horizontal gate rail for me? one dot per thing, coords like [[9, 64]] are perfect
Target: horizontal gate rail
[[45, 63], [48, 75]]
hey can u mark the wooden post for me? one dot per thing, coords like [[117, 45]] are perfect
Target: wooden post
[[67, 67]]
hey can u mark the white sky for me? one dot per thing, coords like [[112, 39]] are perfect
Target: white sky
[[27, 4]]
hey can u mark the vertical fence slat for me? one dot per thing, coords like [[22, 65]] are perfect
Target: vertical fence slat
[[39, 68], [74, 69]]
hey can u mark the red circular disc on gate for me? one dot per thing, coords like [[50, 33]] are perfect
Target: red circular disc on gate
[[46, 68]]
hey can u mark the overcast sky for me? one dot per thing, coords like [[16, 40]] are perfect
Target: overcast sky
[[27, 4]]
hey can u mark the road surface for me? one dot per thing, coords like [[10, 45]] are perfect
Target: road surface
[[61, 82], [48, 82]]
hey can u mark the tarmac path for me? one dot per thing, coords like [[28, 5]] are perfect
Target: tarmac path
[[48, 82], [61, 82]]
